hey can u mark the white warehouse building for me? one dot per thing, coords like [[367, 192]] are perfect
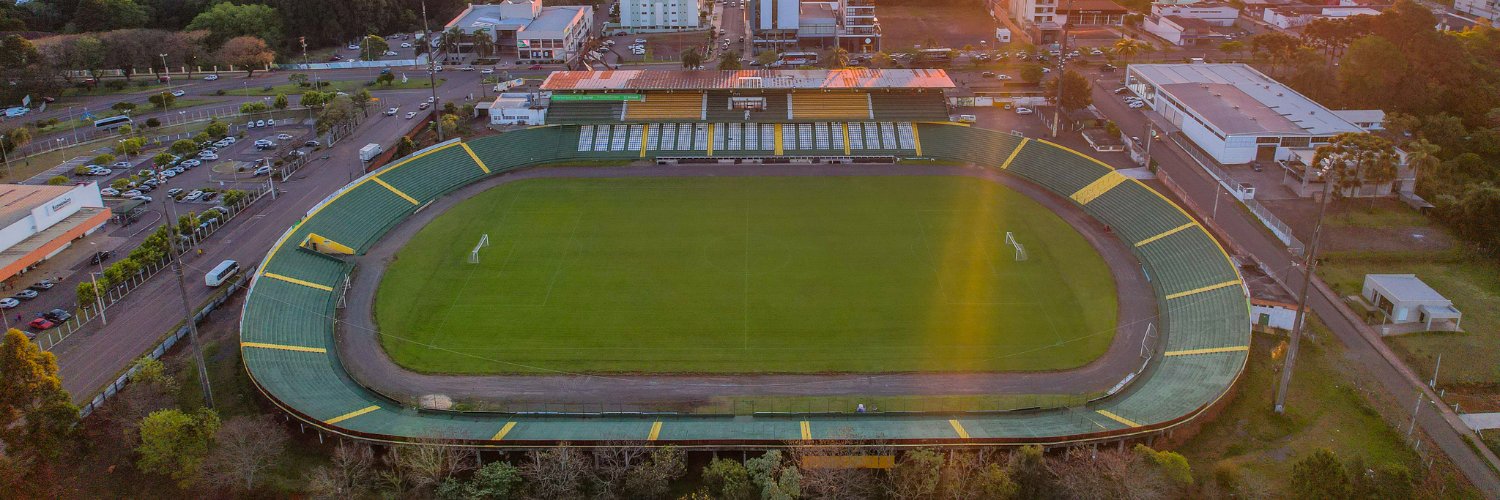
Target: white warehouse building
[[1234, 113], [659, 15]]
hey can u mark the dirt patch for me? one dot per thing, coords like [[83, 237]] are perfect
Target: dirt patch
[[1362, 226], [921, 23]]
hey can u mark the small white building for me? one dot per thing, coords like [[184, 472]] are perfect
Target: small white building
[[39, 222], [1288, 17], [1216, 14], [1404, 299], [1184, 31], [659, 15], [519, 108], [526, 30]]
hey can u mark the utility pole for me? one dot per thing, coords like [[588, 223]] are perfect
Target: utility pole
[[164, 94], [172, 237], [1309, 263], [431, 72], [1062, 53]]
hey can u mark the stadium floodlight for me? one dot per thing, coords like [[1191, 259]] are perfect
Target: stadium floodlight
[[484, 241], [1010, 238]]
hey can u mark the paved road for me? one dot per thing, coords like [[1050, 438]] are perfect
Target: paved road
[[1247, 236], [362, 354]]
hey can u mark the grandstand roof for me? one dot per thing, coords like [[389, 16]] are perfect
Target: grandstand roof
[[761, 78]]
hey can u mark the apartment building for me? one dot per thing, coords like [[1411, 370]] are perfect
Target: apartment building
[[660, 15]]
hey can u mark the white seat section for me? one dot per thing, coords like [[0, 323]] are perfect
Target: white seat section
[[856, 136], [732, 134], [905, 135], [684, 137], [719, 137], [872, 136], [601, 138], [700, 137], [621, 134], [586, 138], [804, 136], [767, 136], [669, 136], [836, 135], [752, 137], [653, 135], [888, 136], [820, 132], [634, 142]]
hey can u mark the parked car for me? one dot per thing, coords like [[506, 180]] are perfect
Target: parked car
[[466, 68], [7, 303], [207, 155], [262, 123], [120, 164], [209, 196], [640, 40], [109, 192], [174, 192], [405, 45], [193, 195], [312, 144], [42, 285], [228, 139], [353, 46], [41, 324], [192, 163], [144, 198], [988, 74], [250, 124], [26, 294], [131, 193], [211, 78], [1020, 110], [57, 315], [424, 105], [390, 52], [284, 137], [179, 93], [263, 170], [170, 173]]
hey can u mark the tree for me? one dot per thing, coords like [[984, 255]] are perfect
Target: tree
[[36, 414], [917, 475], [129, 146], [281, 101], [1076, 90], [300, 79], [217, 129], [162, 100], [1320, 476], [107, 15], [729, 480], [448, 124], [1372, 69], [247, 52], [426, 464], [766, 58], [313, 99], [837, 58], [362, 100], [348, 474], [244, 447], [18, 137], [1028, 468], [59, 180], [374, 47], [556, 472], [729, 62], [775, 479], [882, 60], [1128, 47], [405, 147], [254, 107], [1232, 47], [1031, 72], [386, 79], [174, 443], [1421, 156], [692, 59], [184, 147], [338, 111], [225, 21], [17, 52], [653, 479], [1276, 47], [494, 481], [163, 159], [1354, 159]]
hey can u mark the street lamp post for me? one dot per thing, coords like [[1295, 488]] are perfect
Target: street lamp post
[[164, 102], [431, 71]]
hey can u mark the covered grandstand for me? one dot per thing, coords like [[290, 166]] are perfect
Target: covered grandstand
[[289, 322]]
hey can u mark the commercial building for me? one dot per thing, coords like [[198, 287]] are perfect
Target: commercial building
[[1488, 9], [1215, 14], [1184, 31], [784, 25], [519, 108], [526, 30], [659, 15], [1042, 21], [1234, 113], [1288, 17], [39, 222]]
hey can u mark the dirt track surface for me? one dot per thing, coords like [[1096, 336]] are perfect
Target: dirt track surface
[[364, 358]]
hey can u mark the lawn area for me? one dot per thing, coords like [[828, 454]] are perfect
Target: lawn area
[[739, 275], [1472, 282], [133, 87], [350, 86], [1325, 409]]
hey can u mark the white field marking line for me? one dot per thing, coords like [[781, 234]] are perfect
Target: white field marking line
[[563, 262]]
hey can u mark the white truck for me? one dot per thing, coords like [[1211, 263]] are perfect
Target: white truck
[[369, 152]]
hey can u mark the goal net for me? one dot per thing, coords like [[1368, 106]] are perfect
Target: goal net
[[1010, 239], [484, 241]]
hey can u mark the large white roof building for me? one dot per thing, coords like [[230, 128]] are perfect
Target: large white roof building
[[1237, 114]]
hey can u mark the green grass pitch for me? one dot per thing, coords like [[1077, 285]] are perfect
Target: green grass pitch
[[746, 275]]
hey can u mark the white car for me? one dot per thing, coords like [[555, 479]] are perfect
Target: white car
[[179, 93], [640, 40], [405, 45], [144, 198], [228, 139], [1137, 104], [1023, 111], [109, 192], [191, 163], [1002, 77], [120, 164], [284, 137], [431, 99], [193, 195], [205, 154], [250, 124], [7, 303], [210, 78], [391, 112], [424, 105], [466, 68], [353, 46], [390, 52], [639, 52], [129, 194], [263, 170], [260, 123], [1096, 52], [169, 173], [487, 71], [411, 114]]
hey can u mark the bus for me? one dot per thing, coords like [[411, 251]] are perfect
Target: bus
[[113, 122], [220, 273], [797, 58], [936, 56]]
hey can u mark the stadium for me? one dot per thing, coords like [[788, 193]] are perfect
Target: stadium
[[774, 226]]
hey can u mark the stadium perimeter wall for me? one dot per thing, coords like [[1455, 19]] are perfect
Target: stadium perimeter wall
[[287, 328]]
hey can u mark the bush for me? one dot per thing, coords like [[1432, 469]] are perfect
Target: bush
[[219, 92], [60, 180], [104, 159], [81, 170], [153, 123], [115, 84]]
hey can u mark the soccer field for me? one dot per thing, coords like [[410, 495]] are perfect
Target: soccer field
[[746, 275]]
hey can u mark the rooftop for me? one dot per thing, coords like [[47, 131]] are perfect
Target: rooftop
[[17, 200], [556, 19], [1250, 108], [1090, 6], [1406, 288], [758, 79]]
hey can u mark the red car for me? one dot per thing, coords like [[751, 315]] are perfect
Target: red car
[[42, 324], [535, 66]]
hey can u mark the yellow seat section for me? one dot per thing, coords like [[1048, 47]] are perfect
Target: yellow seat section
[[831, 106], [675, 106]]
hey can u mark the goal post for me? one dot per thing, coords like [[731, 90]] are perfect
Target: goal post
[[484, 241], [1010, 239]]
